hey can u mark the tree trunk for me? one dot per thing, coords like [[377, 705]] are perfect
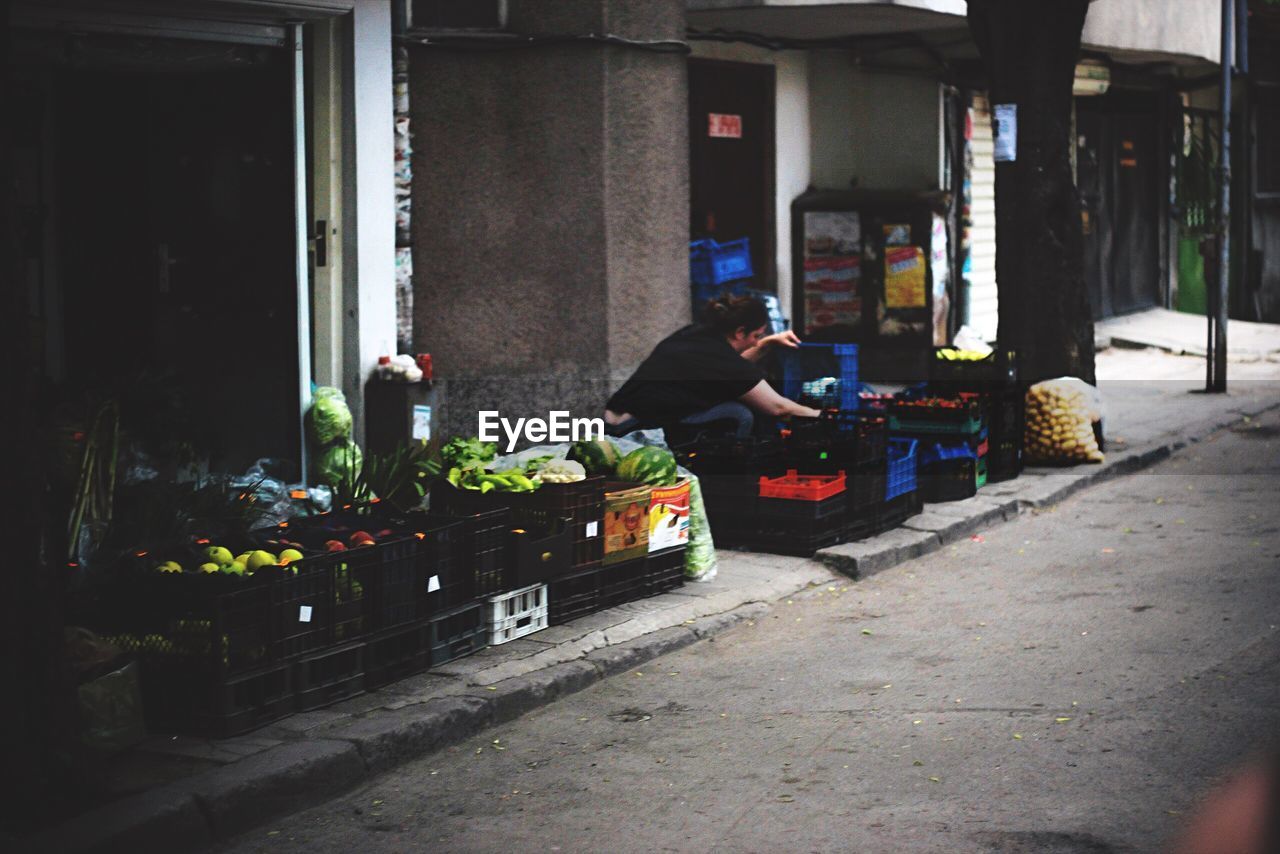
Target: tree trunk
[[1030, 49]]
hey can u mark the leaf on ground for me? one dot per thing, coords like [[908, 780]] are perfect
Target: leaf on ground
[[1018, 736], [490, 688], [917, 722], [934, 780], [1128, 530], [1061, 720], [866, 631], [1108, 551], [1159, 500], [786, 799], [918, 763], [1179, 521]]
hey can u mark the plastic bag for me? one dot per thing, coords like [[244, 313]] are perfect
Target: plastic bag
[[1061, 414]]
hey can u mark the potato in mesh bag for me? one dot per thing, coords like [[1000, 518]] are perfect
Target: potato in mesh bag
[[1060, 418]]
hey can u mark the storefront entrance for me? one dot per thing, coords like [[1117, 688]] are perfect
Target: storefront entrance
[[731, 158], [169, 264], [1119, 179]]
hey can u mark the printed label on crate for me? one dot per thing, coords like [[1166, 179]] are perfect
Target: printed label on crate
[[593, 529], [304, 614], [669, 516], [904, 278], [626, 526], [433, 584]]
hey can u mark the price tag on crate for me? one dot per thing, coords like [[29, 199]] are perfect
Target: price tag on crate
[[433, 584], [593, 529], [304, 614]]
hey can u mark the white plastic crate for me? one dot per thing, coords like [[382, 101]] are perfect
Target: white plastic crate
[[516, 614]]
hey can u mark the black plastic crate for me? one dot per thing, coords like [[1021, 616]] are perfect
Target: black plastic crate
[[222, 622], [949, 480], [794, 527], [182, 695], [838, 441], [582, 503], [488, 518], [573, 595], [326, 677], [622, 582], [541, 548], [865, 497], [320, 601], [998, 370], [664, 571], [898, 510], [458, 633], [446, 578], [397, 654], [724, 459]]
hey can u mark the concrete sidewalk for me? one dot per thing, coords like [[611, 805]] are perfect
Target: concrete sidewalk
[[1186, 334], [183, 792]]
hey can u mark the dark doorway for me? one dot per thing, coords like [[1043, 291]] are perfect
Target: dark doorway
[[1119, 180], [175, 243], [731, 158]]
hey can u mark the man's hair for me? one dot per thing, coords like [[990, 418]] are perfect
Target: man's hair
[[725, 315]]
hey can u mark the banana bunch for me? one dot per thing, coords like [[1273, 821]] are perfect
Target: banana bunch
[[951, 354], [1059, 424]]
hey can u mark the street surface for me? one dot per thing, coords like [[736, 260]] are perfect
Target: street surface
[[1072, 681]]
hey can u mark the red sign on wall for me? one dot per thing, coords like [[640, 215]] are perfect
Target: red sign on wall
[[724, 126]]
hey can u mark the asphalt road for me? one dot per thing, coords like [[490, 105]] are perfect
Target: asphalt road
[[1072, 681]]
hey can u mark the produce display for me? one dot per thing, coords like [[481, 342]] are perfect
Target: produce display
[[1059, 425]]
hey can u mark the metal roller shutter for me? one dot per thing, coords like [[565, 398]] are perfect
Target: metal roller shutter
[[981, 309]]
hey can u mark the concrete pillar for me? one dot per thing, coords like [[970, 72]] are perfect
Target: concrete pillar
[[550, 209]]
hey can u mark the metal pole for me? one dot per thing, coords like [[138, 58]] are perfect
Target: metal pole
[[1227, 60], [302, 234]]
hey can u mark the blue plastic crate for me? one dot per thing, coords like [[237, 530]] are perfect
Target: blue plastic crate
[[902, 468], [814, 362], [712, 263]]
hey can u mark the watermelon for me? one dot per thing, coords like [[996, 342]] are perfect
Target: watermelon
[[654, 466], [598, 456]]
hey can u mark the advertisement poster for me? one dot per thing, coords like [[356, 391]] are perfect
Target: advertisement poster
[[832, 233], [904, 278], [832, 295]]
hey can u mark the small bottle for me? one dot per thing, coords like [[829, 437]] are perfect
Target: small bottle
[[424, 365]]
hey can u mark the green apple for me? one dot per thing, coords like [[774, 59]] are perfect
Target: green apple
[[290, 555], [209, 567], [218, 555], [259, 559]]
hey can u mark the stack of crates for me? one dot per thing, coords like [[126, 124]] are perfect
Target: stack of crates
[[846, 442], [953, 444], [996, 379], [729, 472], [801, 513]]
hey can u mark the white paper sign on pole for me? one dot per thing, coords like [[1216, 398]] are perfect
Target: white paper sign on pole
[[1006, 133]]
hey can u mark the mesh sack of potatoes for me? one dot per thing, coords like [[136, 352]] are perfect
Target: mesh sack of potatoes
[[1060, 418]]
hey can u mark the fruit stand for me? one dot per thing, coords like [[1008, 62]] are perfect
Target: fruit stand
[[421, 554]]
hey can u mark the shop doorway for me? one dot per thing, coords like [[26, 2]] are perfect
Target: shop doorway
[[174, 249], [1119, 180], [731, 158]]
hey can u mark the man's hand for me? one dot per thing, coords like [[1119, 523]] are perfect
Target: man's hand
[[787, 338]]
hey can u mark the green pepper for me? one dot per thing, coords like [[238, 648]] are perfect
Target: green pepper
[[486, 486], [521, 482]]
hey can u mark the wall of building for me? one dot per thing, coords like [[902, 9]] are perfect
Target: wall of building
[[882, 130], [792, 131], [550, 209], [1185, 28]]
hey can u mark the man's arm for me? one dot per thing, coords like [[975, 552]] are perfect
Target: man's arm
[[763, 399], [786, 339]]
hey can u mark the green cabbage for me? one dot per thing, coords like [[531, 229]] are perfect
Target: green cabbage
[[340, 463], [328, 419]]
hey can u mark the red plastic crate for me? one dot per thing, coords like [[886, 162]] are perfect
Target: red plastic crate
[[802, 487]]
